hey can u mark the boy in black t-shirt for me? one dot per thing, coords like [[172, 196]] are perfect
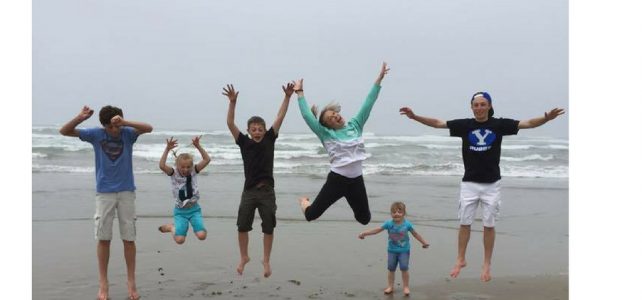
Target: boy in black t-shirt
[[257, 151], [481, 148]]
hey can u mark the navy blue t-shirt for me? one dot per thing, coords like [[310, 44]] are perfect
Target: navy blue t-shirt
[[482, 145]]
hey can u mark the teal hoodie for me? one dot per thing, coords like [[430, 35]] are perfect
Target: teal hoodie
[[345, 146]]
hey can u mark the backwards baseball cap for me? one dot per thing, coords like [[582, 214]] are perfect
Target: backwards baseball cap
[[486, 96]]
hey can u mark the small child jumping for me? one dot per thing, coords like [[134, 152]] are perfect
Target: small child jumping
[[185, 189], [398, 244]]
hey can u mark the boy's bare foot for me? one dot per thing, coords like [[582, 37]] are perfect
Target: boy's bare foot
[[406, 291], [457, 268], [267, 270], [388, 290], [103, 291], [133, 293], [165, 228], [304, 202], [485, 275], [241, 267]]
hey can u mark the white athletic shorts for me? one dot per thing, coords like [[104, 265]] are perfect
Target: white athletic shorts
[[110, 204], [473, 194]]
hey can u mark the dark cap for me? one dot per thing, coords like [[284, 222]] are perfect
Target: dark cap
[[486, 96]]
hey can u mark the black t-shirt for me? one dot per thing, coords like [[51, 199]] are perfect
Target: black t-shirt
[[482, 146], [258, 158]]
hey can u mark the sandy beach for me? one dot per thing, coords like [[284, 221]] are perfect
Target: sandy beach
[[323, 259]]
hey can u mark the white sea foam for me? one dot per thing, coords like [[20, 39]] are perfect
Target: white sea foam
[[298, 155], [561, 147], [419, 139], [437, 146], [527, 158], [191, 133], [299, 145], [506, 146], [302, 153], [61, 169], [544, 172]]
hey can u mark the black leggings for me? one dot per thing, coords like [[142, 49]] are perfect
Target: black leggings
[[335, 187]]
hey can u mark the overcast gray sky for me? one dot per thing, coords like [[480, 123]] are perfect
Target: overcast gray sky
[[165, 62]]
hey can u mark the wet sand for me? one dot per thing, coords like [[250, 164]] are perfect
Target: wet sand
[[323, 259]]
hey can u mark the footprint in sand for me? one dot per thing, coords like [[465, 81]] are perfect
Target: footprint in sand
[[295, 281]]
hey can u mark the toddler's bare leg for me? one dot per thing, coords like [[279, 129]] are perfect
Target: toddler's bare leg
[[391, 283], [405, 277]]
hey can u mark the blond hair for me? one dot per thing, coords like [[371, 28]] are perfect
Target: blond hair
[[333, 106], [183, 156]]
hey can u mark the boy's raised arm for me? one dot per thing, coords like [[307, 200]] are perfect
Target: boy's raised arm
[[288, 89], [432, 122], [69, 129], [232, 95], [171, 144], [139, 127], [196, 141]]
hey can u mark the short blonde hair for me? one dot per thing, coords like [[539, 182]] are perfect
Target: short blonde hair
[[398, 206], [184, 156]]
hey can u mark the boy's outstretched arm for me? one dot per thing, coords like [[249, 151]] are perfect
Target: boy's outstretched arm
[[436, 123], [231, 95], [370, 232], [423, 242], [539, 121], [139, 127], [196, 141], [69, 129], [288, 89], [171, 144]]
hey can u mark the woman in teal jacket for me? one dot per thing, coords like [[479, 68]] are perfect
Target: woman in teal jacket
[[344, 143]]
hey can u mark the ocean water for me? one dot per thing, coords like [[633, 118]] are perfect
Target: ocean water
[[303, 154]]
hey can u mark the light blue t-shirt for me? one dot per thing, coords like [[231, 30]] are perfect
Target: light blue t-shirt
[[113, 157], [398, 237]]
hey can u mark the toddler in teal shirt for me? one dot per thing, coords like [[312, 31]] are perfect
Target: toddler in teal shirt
[[398, 244]]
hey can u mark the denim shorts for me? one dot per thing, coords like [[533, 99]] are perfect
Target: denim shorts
[[398, 258], [185, 216]]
